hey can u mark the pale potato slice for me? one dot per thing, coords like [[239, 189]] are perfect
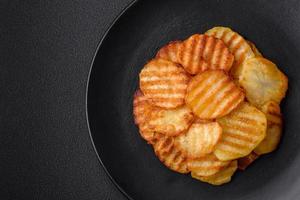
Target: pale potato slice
[[262, 81], [212, 94], [243, 129], [220, 178], [201, 52], [244, 162], [237, 45], [274, 128], [170, 156], [207, 165], [200, 139], [169, 51], [171, 122], [254, 49], [164, 83]]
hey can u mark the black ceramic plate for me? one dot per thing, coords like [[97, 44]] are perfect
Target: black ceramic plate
[[274, 26]]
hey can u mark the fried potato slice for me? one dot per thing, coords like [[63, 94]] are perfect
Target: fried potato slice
[[243, 129], [220, 178], [237, 45], [169, 51], [171, 122], [244, 162], [254, 49], [262, 81], [164, 83], [207, 165], [212, 94], [201, 52], [170, 156], [141, 112], [274, 128], [200, 139]]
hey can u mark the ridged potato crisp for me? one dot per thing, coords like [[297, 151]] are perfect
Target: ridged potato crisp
[[210, 105]]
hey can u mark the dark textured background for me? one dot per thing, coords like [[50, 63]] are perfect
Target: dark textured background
[[46, 48]]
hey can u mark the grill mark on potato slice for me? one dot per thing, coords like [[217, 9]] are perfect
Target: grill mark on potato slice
[[171, 157], [243, 129], [207, 165], [274, 128], [169, 51], [164, 83], [201, 52], [237, 45], [203, 91]]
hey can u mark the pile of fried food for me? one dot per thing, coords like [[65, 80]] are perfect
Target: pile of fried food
[[210, 105]]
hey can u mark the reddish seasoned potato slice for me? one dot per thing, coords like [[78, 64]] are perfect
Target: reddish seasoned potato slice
[[201, 52], [169, 51]]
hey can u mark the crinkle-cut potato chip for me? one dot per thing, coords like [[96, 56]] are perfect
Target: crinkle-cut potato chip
[[254, 49], [171, 122], [220, 178], [207, 165], [212, 94], [201, 52], [237, 45], [262, 81], [244, 162], [274, 128], [141, 111], [200, 139], [170, 156], [243, 129], [164, 83], [141, 108], [169, 51]]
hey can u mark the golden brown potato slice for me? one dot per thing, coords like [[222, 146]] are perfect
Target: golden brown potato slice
[[141, 111], [213, 94], [220, 178], [254, 49], [274, 128], [169, 51], [170, 156], [207, 165], [262, 81], [171, 122], [243, 129], [200, 139], [201, 52], [237, 45], [164, 83], [244, 162]]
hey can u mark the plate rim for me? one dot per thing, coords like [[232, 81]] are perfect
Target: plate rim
[[113, 23]]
